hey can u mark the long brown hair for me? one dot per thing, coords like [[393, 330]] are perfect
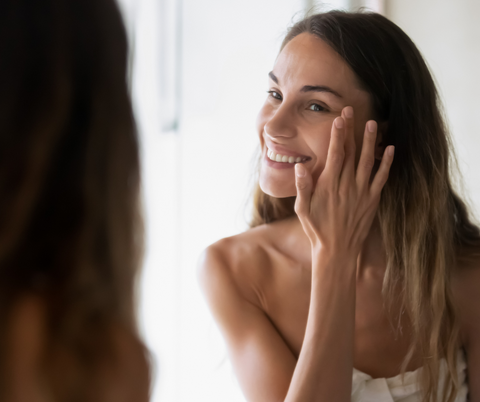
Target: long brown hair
[[425, 225], [70, 224]]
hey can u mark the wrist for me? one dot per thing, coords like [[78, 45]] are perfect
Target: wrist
[[344, 253], [324, 256]]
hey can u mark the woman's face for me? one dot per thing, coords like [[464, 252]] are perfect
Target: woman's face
[[309, 86]]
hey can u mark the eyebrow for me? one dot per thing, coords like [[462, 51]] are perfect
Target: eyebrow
[[309, 88]]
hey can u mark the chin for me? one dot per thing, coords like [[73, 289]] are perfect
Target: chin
[[277, 189]]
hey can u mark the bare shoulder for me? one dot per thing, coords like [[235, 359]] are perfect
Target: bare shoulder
[[241, 261], [466, 286]]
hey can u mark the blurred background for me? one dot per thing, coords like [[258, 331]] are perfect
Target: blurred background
[[198, 78]]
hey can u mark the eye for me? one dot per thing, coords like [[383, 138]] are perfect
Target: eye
[[315, 107], [275, 94]]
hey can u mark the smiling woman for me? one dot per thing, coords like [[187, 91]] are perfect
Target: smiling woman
[[359, 265], [313, 84]]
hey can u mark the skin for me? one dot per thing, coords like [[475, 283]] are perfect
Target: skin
[[289, 117], [299, 300], [27, 351]]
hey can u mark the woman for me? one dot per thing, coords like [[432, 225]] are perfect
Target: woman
[[70, 233], [357, 260]]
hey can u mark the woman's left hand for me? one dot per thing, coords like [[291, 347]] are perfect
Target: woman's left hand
[[337, 212]]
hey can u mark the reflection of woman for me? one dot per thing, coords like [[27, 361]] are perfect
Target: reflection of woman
[[70, 230], [357, 272]]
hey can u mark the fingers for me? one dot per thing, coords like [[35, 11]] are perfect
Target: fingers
[[303, 182], [367, 157], [348, 171], [382, 174], [336, 150]]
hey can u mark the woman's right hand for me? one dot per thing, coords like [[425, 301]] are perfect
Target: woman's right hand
[[337, 211]]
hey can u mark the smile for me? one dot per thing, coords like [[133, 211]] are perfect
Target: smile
[[284, 158]]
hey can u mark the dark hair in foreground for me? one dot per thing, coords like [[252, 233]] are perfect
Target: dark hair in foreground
[[425, 225], [70, 226]]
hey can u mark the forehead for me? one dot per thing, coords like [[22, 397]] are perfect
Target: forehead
[[308, 60]]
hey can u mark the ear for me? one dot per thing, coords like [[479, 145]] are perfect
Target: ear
[[379, 144]]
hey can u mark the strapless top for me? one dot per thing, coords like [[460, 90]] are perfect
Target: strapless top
[[368, 389]]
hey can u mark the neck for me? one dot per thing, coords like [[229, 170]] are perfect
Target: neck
[[372, 259]]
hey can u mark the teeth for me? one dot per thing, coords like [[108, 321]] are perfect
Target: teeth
[[284, 158]]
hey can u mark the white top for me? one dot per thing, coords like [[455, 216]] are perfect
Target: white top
[[368, 389]]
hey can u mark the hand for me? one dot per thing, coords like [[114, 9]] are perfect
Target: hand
[[337, 212]]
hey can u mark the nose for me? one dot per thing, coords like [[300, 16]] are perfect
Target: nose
[[281, 123]]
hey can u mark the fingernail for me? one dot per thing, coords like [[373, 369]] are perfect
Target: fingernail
[[348, 112], [299, 170], [391, 150], [339, 122], [371, 126]]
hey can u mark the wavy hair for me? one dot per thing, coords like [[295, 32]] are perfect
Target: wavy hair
[[425, 224], [70, 222]]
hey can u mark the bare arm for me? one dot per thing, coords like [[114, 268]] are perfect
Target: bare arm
[[262, 361], [324, 368], [266, 368]]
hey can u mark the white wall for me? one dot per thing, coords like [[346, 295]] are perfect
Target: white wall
[[448, 34], [325, 5]]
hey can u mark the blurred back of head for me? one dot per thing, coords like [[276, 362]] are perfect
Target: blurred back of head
[[70, 227]]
